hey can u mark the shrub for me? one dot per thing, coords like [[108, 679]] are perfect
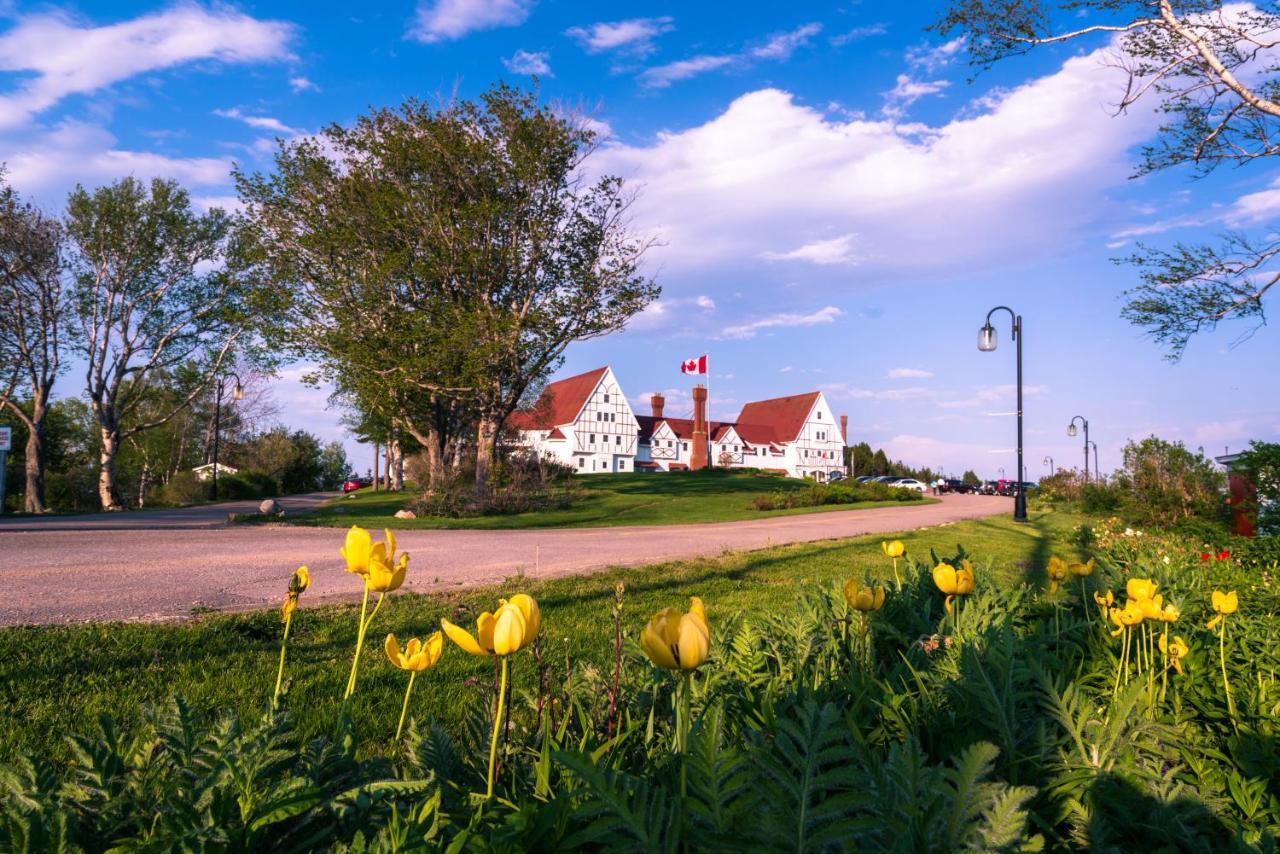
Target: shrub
[[1164, 483], [522, 483], [182, 489], [841, 492]]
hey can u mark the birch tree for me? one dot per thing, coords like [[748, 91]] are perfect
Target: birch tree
[[151, 292], [33, 313], [1213, 70]]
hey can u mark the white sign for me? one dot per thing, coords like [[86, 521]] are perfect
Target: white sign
[[6, 438]]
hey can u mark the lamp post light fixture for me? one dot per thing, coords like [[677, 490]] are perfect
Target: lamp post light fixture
[[237, 393], [1071, 431], [1049, 462], [987, 340]]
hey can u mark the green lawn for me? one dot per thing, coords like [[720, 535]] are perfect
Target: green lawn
[[57, 680], [610, 500]]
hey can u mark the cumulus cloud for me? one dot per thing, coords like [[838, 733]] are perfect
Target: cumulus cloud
[[827, 314], [633, 37], [302, 84], [526, 62], [909, 373], [55, 57], [446, 20], [907, 90], [1032, 167]]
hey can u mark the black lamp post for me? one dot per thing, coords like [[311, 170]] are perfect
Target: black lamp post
[[987, 343], [1097, 472], [1071, 431], [1049, 462], [237, 393]]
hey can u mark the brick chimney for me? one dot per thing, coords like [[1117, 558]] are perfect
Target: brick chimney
[[698, 453], [657, 401], [844, 429]]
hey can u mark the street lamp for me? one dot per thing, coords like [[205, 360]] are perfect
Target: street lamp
[[1071, 431], [1049, 462], [987, 343], [1097, 472], [237, 393]]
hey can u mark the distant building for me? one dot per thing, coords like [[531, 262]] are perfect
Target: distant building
[[586, 422], [205, 472]]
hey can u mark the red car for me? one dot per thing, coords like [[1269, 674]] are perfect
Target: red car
[[351, 484]]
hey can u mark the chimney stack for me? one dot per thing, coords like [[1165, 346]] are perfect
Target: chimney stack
[[698, 453], [844, 430], [657, 401]]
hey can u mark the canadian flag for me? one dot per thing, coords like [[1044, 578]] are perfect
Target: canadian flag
[[694, 366]]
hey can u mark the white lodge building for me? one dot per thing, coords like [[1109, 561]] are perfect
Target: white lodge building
[[586, 422]]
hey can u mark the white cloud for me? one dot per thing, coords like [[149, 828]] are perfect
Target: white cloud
[[780, 46], [933, 58], [258, 122], [783, 319], [909, 373], [633, 37], [662, 76], [1219, 432], [302, 84], [445, 20], [843, 391], [73, 151], [705, 302], [1033, 167], [858, 33], [667, 311], [525, 62], [837, 250], [907, 91], [55, 57]]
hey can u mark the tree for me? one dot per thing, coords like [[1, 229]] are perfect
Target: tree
[[439, 261], [334, 467], [1212, 67], [1262, 465], [33, 313], [971, 478], [150, 292], [1165, 483]]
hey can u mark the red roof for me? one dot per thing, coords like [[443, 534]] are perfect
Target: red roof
[[555, 434], [560, 402], [776, 420], [682, 427]]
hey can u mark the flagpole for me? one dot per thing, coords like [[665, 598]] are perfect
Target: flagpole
[[710, 432]]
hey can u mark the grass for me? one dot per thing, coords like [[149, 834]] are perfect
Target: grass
[[610, 500], [57, 680]]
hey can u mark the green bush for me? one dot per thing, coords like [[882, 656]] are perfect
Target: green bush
[[840, 492], [182, 489]]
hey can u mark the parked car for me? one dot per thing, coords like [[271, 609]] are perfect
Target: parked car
[[956, 485], [351, 484], [909, 483], [835, 476], [863, 478]]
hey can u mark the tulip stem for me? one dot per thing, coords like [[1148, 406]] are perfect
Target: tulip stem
[[1119, 666], [280, 671], [896, 580], [1222, 660], [497, 725], [364, 628], [405, 708]]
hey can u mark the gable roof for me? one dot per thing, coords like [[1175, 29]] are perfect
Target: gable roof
[[560, 402], [779, 419]]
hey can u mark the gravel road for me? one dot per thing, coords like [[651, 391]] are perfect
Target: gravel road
[[70, 574]]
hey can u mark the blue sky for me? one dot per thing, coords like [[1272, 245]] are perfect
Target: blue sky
[[838, 202]]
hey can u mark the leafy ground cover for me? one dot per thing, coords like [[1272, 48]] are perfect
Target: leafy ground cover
[[1004, 723], [608, 500]]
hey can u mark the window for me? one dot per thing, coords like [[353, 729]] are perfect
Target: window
[[617, 440], [622, 464], [593, 439], [606, 397], [613, 416], [684, 445], [582, 462], [819, 412]]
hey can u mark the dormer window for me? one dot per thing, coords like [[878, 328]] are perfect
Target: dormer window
[[606, 397]]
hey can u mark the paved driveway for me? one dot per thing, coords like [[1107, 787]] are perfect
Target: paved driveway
[[56, 575], [201, 516]]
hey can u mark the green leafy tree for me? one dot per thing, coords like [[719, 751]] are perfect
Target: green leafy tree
[[1262, 464], [151, 292], [1165, 483], [439, 261], [1210, 67], [971, 478], [33, 329], [334, 466]]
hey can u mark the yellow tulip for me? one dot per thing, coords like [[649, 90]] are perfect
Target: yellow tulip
[[1141, 588], [1153, 608], [508, 630], [1105, 602], [381, 576], [1057, 571], [1127, 617], [1170, 614], [675, 640], [361, 552], [954, 582], [298, 585], [893, 548], [1175, 650], [863, 598], [1225, 603], [1082, 570], [417, 656], [376, 564]]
